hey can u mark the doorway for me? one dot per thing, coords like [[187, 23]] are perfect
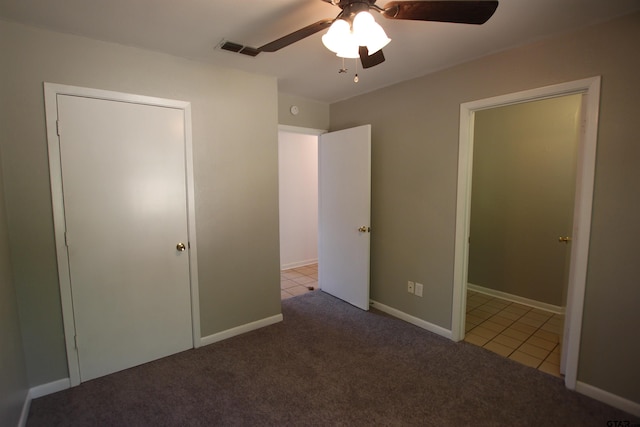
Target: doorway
[[298, 203], [589, 89], [524, 158], [122, 192], [344, 213]]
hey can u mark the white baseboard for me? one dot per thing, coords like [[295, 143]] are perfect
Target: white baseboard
[[48, 388], [298, 264], [39, 391], [238, 330], [22, 422], [515, 298], [439, 330], [609, 398]]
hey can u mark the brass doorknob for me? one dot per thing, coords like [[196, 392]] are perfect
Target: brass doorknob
[[564, 239], [364, 229], [181, 247]]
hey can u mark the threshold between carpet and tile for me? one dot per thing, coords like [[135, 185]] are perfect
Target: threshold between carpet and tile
[[521, 333]]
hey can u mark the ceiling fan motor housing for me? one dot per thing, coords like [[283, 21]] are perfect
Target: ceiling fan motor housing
[[352, 8]]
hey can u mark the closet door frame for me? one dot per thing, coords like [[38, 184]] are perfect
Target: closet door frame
[[51, 92]]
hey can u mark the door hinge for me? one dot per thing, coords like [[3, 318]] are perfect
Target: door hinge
[[66, 239], [75, 341], [58, 127]]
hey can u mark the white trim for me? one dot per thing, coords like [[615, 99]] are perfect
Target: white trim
[[585, 179], [49, 388], [304, 131], [439, 330], [590, 89], [516, 298], [609, 398], [460, 254], [39, 391], [238, 330], [24, 414], [191, 228], [51, 91], [299, 264]]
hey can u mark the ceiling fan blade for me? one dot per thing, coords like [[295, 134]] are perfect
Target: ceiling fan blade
[[296, 36], [369, 61], [461, 12]]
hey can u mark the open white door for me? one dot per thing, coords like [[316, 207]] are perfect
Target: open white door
[[344, 214]]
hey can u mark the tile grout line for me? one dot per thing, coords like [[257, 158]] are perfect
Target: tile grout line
[[512, 322], [310, 270]]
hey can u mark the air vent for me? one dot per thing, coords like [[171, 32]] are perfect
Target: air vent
[[230, 46], [238, 48]]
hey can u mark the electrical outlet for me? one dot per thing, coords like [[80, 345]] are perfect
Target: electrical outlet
[[419, 289], [410, 286]]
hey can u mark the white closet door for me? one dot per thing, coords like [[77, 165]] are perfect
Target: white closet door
[[124, 185]]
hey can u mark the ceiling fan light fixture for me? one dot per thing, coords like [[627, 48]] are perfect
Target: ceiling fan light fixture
[[344, 38], [369, 33], [338, 32]]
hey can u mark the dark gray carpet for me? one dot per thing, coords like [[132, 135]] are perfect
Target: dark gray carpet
[[326, 364]]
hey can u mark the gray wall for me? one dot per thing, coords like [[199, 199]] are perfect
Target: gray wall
[[236, 178], [312, 114], [414, 166], [523, 186], [13, 373]]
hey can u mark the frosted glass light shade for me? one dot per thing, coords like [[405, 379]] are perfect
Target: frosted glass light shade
[[335, 36], [349, 47], [363, 24], [369, 33]]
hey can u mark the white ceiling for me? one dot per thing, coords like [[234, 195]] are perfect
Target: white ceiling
[[193, 28]]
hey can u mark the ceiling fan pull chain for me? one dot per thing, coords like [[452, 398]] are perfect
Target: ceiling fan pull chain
[[356, 79], [343, 69]]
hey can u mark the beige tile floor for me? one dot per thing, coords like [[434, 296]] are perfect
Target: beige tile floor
[[527, 335], [297, 281]]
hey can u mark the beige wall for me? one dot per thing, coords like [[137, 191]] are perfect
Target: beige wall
[[414, 166], [13, 373], [523, 186], [235, 167], [415, 137], [312, 114]]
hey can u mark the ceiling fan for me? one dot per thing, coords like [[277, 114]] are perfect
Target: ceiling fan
[[348, 30]]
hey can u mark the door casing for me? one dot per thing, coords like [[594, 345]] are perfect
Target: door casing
[[586, 157], [51, 91], [319, 133]]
